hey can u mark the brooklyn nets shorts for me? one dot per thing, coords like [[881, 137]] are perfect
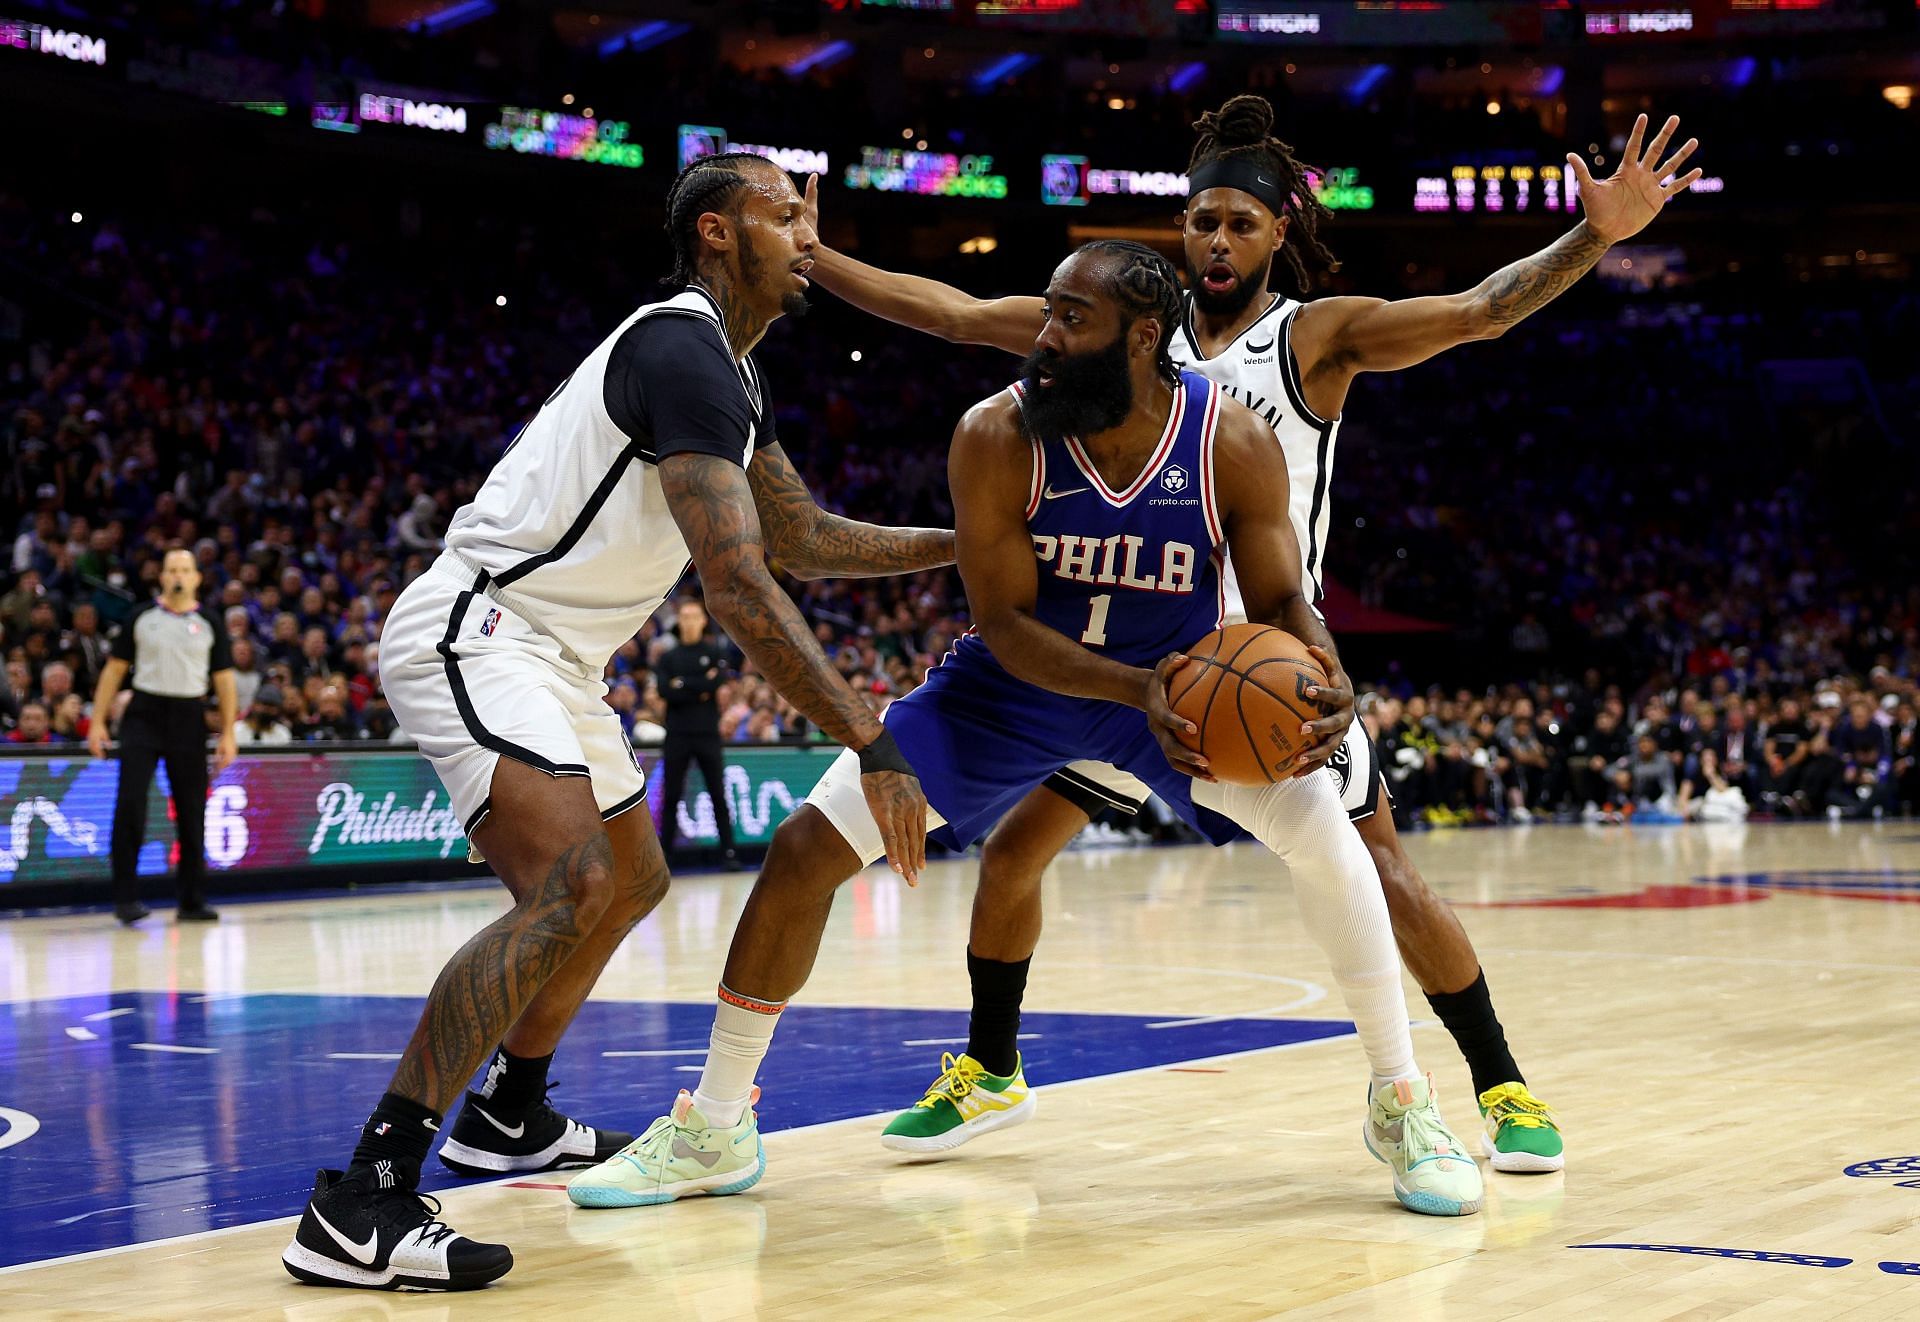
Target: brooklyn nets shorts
[[472, 682]]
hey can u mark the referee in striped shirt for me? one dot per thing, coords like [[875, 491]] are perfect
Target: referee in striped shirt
[[177, 652]]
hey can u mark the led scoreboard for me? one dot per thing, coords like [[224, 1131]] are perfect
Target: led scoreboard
[[1514, 187]]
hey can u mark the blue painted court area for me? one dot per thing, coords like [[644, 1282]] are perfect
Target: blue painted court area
[[163, 1114]]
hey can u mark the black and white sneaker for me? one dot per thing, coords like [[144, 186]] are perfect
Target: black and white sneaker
[[357, 1233], [483, 1143]]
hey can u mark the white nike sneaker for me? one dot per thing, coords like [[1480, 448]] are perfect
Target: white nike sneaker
[[1432, 1172]]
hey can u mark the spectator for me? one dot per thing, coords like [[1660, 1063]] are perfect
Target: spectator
[[35, 726], [1864, 751], [84, 647], [1597, 763], [1650, 775], [262, 723]]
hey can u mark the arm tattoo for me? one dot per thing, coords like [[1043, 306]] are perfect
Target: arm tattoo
[[489, 981], [1519, 290], [811, 543], [714, 506]]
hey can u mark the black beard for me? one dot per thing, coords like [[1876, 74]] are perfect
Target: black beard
[[753, 271], [1089, 393], [1231, 304]]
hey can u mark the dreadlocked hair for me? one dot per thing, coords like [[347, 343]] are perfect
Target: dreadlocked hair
[[1144, 284], [711, 183], [1242, 129]]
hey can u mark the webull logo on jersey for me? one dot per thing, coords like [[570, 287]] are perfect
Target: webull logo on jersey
[[1116, 561]]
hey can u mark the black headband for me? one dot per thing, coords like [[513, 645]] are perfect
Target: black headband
[[1238, 172]]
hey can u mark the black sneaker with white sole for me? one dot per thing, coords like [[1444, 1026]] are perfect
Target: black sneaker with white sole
[[356, 1233], [483, 1143]]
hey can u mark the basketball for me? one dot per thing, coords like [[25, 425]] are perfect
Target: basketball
[[1245, 686]]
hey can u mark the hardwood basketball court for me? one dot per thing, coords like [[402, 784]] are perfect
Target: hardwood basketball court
[[1724, 1017]]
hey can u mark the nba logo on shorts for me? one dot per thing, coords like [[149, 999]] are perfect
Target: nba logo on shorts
[[488, 625], [1174, 479]]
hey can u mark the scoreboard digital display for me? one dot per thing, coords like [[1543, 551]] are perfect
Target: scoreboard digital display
[[1514, 187]]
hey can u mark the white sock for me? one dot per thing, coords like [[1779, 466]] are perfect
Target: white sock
[[1341, 903], [742, 1031]]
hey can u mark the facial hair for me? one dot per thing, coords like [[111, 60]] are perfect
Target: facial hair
[[1089, 392], [753, 270], [1226, 306]]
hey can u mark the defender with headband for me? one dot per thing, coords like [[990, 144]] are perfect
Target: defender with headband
[[1292, 363]]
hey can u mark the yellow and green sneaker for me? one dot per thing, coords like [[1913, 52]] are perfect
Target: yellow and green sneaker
[[963, 1103], [680, 1154], [1520, 1134]]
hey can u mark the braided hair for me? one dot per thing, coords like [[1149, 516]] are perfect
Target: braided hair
[[1144, 284], [712, 183], [1243, 129]]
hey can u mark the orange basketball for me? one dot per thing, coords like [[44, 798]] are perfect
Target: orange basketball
[[1245, 686]]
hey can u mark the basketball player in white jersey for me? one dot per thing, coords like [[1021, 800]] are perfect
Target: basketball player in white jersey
[[1292, 364], [659, 449]]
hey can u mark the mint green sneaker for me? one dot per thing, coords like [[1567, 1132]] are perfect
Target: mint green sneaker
[[1432, 1172], [963, 1103], [680, 1154], [1519, 1133]]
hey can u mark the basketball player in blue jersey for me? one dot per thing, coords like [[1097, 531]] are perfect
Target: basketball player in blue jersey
[[1093, 506], [1292, 363], [657, 453]]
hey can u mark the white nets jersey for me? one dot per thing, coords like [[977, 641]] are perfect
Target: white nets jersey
[[572, 520], [1259, 370]]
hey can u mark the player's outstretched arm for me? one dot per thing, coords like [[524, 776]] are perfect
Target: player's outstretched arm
[[1252, 482], [809, 542], [1334, 338], [714, 507], [925, 305], [990, 467]]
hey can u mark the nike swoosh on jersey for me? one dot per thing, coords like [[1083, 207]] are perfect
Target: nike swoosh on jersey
[[361, 1253], [1051, 494], [517, 1131]]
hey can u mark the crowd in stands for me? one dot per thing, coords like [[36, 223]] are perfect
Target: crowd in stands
[[1679, 540]]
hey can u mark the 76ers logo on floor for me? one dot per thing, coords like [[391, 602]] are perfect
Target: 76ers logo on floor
[[1904, 1170], [492, 622], [1174, 479]]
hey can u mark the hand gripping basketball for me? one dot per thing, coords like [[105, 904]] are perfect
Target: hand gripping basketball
[[1168, 725], [1335, 699], [1259, 704]]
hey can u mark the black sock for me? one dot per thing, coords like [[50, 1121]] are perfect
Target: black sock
[[1469, 1016], [399, 1133], [993, 1034], [513, 1083]]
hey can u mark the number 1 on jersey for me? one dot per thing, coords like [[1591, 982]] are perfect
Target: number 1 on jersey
[[1095, 634]]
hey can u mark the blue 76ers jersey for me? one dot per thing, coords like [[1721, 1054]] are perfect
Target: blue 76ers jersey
[[1132, 574]]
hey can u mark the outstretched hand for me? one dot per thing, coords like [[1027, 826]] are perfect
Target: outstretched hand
[[1625, 202], [812, 198]]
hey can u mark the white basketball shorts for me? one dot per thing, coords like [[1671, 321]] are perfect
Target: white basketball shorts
[[472, 682]]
